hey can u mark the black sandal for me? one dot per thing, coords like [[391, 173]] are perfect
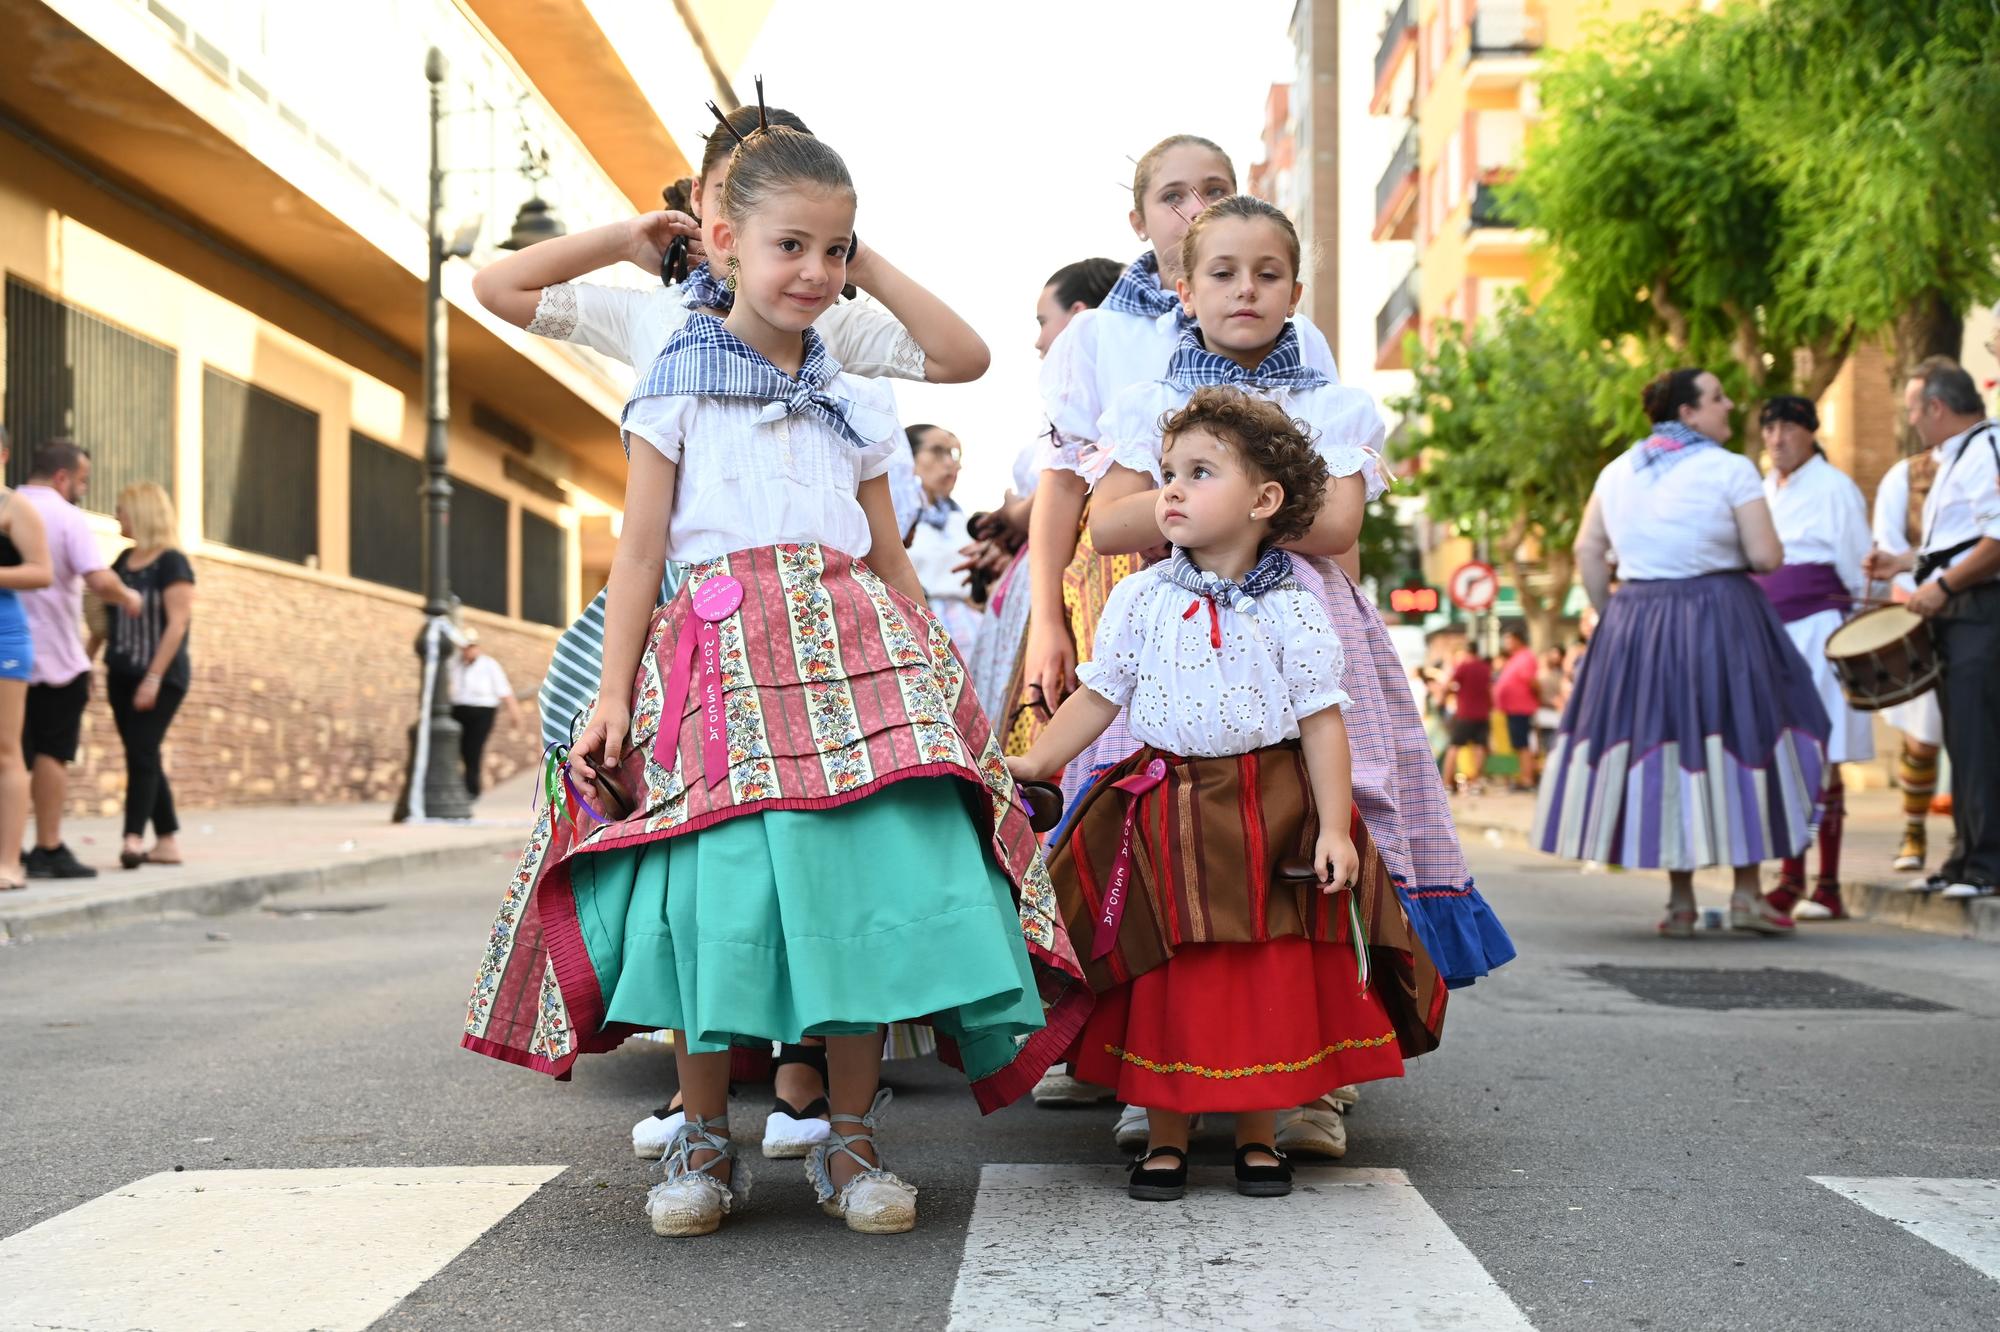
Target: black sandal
[[1262, 1181], [1158, 1185]]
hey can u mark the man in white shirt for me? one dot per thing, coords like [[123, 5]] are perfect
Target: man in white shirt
[[479, 690], [1957, 570]]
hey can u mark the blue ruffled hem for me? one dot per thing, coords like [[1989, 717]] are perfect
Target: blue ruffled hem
[[1460, 932]]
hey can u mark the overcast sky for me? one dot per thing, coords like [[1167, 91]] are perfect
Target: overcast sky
[[991, 144]]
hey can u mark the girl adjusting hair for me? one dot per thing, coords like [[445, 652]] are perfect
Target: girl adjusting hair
[[1234, 972], [1241, 280], [792, 722], [904, 332]]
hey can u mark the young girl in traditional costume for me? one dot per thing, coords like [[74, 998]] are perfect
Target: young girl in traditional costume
[[1128, 339], [1232, 922], [905, 332], [1239, 281], [794, 721]]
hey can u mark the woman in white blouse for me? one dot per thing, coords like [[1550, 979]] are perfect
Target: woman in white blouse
[[1823, 523], [1694, 736]]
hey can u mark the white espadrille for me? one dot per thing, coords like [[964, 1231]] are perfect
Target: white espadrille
[[875, 1201], [651, 1135], [690, 1200], [1314, 1129]]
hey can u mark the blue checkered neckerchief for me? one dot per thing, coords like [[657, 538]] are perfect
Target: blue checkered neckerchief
[[1274, 568], [1669, 443], [1194, 365], [700, 290], [938, 513], [706, 359], [1138, 290]]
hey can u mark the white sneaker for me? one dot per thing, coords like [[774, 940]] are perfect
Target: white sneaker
[[790, 1132], [1059, 1088], [875, 1201], [1957, 890], [1314, 1129], [651, 1135], [1131, 1133], [690, 1201]]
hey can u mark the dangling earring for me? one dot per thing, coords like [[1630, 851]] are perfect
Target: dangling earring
[[729, 283]]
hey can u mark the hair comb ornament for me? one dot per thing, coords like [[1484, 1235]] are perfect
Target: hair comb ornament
[[723, 121]]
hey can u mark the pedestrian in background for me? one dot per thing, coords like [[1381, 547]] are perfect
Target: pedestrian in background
[[59, 684], [1518, 699], [24, 566], [1823, 522], [1470, 688], [147, 668], [479, 690], [1695, 737], [941, 533]]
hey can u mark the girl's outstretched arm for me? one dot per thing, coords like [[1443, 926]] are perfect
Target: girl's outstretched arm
[[1049, 663], [1338, 524], [1083, 717], [1122, 516], [953, 353], [512, 287], [629, 600]]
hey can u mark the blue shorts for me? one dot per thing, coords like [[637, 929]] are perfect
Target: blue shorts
[[17, 649]]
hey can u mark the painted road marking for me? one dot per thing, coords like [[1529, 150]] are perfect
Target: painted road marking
[[252, 1250], [1061, 1246], [1960, 1216]]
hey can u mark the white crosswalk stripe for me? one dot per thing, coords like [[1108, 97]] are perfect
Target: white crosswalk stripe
[[252, 1250], [1960, 1216], [1061, 1246]]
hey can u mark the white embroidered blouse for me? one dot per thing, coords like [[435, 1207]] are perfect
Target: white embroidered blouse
[[752, 476], [1184, 695]]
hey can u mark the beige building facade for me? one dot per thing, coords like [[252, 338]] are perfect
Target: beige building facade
[[212, 226]]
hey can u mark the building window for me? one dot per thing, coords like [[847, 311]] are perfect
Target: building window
[[385, 514], [260, 470], [479, 547], [544, 569], [72, 374]]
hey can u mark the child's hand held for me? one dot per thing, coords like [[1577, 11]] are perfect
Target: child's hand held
[[1336, 860]]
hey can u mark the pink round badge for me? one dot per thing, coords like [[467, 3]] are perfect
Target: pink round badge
[[1157, 770], [718, 598]]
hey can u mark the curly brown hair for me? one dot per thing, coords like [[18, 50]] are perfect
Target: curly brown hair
[[1271, 444]]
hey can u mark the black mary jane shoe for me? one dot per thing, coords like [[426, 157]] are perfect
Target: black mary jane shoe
[[1262, 1181], [1158, 1185]]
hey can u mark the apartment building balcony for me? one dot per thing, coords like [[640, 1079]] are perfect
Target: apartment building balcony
[[1504, 49], [1398, 317], [1399, 42], [1488, 228], [1396, 193]]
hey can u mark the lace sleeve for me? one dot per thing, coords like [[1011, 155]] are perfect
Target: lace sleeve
[[555, 313]]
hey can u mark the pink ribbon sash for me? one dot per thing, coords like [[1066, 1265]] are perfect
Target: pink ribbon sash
[[714, 601], [1112, 909]]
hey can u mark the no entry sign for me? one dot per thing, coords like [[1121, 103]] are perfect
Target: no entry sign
[[1474, 587]]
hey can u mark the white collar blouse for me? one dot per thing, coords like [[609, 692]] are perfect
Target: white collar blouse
[[1184, 695]]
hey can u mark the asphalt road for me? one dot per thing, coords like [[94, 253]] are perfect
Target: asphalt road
[[1610, 1162]]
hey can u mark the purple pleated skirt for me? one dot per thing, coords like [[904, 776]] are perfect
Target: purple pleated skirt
[[1694, 736]]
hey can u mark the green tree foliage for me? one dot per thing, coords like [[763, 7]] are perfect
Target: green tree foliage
[[1881, 120], [1516, 433], [1664, 214]]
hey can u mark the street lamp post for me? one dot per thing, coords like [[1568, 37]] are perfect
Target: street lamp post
[[434, 783]]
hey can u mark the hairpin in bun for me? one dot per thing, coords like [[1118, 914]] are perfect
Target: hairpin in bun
[[762, 122], [723, 120]]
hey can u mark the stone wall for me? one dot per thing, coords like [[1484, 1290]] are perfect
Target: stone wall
[[304, 690]]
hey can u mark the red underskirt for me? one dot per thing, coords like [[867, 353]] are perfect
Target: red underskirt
[[1239, 1027]]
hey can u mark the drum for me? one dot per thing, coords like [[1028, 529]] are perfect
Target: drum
[[1884, 657]]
